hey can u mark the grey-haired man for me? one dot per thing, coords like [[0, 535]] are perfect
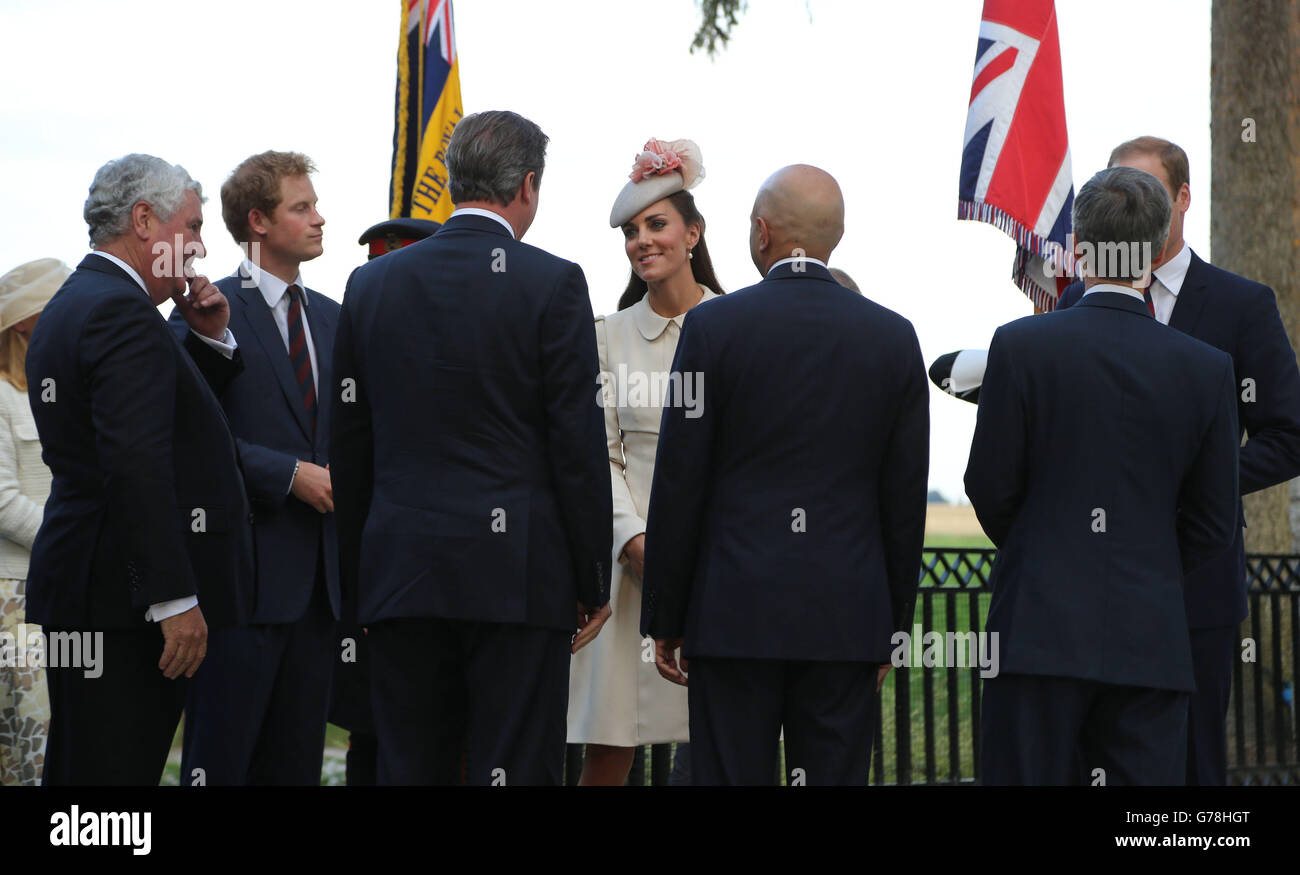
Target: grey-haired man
[[145, 539]]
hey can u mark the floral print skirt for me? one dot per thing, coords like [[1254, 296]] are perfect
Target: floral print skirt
[[24, 700]]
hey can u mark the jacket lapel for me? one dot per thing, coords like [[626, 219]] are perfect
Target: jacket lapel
[[263, 325], [1191, 298], [322, 338]]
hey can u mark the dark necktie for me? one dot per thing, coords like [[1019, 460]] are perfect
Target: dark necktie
[[1146, 296], [300, 357]]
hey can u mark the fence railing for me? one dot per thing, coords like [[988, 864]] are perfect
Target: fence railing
[[927, 722]]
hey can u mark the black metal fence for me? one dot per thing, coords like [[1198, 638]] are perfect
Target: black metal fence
[[927, 725]]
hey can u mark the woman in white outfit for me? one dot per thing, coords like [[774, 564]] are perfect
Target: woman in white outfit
[[24, 487], [617, 700]]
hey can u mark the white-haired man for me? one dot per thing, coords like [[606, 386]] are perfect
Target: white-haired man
[[145, 538]]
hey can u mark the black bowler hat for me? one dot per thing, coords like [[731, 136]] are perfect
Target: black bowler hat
[[396, 233]]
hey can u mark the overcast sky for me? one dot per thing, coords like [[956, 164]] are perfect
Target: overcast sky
[[873, 92]]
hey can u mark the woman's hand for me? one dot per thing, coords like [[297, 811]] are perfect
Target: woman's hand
[[634, 552]]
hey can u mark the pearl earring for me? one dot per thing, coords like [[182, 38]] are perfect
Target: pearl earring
[[690, 253]]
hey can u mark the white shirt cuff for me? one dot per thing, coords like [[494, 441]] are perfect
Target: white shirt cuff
[[161, 611], [226, 345]]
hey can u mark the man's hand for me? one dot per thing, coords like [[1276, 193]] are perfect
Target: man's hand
[[186, 637], [588, 625], [204, 308], [666, 660], [880, 675], [635, 553], [311, 485]]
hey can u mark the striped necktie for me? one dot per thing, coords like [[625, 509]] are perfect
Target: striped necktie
[[300, 357], [1146, 296]]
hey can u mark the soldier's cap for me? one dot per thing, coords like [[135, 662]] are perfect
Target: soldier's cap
[[393, 234]]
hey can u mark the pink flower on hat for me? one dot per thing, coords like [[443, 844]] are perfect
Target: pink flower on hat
[[663, 168], [655, 159]]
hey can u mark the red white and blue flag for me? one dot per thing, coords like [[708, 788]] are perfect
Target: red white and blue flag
[[1015, 165], [428, 108]]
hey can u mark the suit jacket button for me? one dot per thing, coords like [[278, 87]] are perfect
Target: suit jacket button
[[252, 518]]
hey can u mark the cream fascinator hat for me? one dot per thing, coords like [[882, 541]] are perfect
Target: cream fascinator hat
[[25, 290], [663, 168]]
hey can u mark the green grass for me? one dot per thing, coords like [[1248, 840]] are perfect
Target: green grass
[[965, 542], [332, 771]]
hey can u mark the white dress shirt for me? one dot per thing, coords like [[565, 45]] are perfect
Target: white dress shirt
[[1167, 282], [275, 292], [226, 346], [487, 214]]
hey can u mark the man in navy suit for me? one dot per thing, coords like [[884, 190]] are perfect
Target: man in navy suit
[[1088, 592], [1241, 318], [787, 511], [471, 476], [350, 691], [145, 539], [258, 706]]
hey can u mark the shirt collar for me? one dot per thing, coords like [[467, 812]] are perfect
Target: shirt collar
[[651, 324], [270, 285], [803, 258], [487, 214], [1118, 289], [130, 271], [1172, 273]]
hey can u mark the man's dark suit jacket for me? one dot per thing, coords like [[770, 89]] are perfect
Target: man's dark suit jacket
[[1240, 317], [1148, 421], [147, 502], [269, 420], [469, 463], [786, 520]]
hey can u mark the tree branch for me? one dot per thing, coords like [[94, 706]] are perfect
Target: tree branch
[[717, 18]]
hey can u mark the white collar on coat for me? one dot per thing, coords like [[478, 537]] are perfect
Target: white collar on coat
[[651, 324]]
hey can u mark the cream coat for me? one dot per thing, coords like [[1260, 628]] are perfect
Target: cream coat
[[24, 482], [616, 696]]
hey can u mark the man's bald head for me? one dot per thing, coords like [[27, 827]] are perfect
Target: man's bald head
[[799, 207]]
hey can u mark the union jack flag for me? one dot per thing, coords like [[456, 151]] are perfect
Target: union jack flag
[[428, 108], [1015, 165]]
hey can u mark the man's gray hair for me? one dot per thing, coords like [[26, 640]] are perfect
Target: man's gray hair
[[1121, 220], [124, 182], [489, 155]]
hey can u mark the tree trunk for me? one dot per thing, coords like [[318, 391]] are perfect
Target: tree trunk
[[1254, 213]]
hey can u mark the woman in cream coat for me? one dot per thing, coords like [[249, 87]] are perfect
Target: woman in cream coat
[[24, 487], [617, 700]]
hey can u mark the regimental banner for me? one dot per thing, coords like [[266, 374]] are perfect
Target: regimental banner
[[1015, 164], [428, 106]]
